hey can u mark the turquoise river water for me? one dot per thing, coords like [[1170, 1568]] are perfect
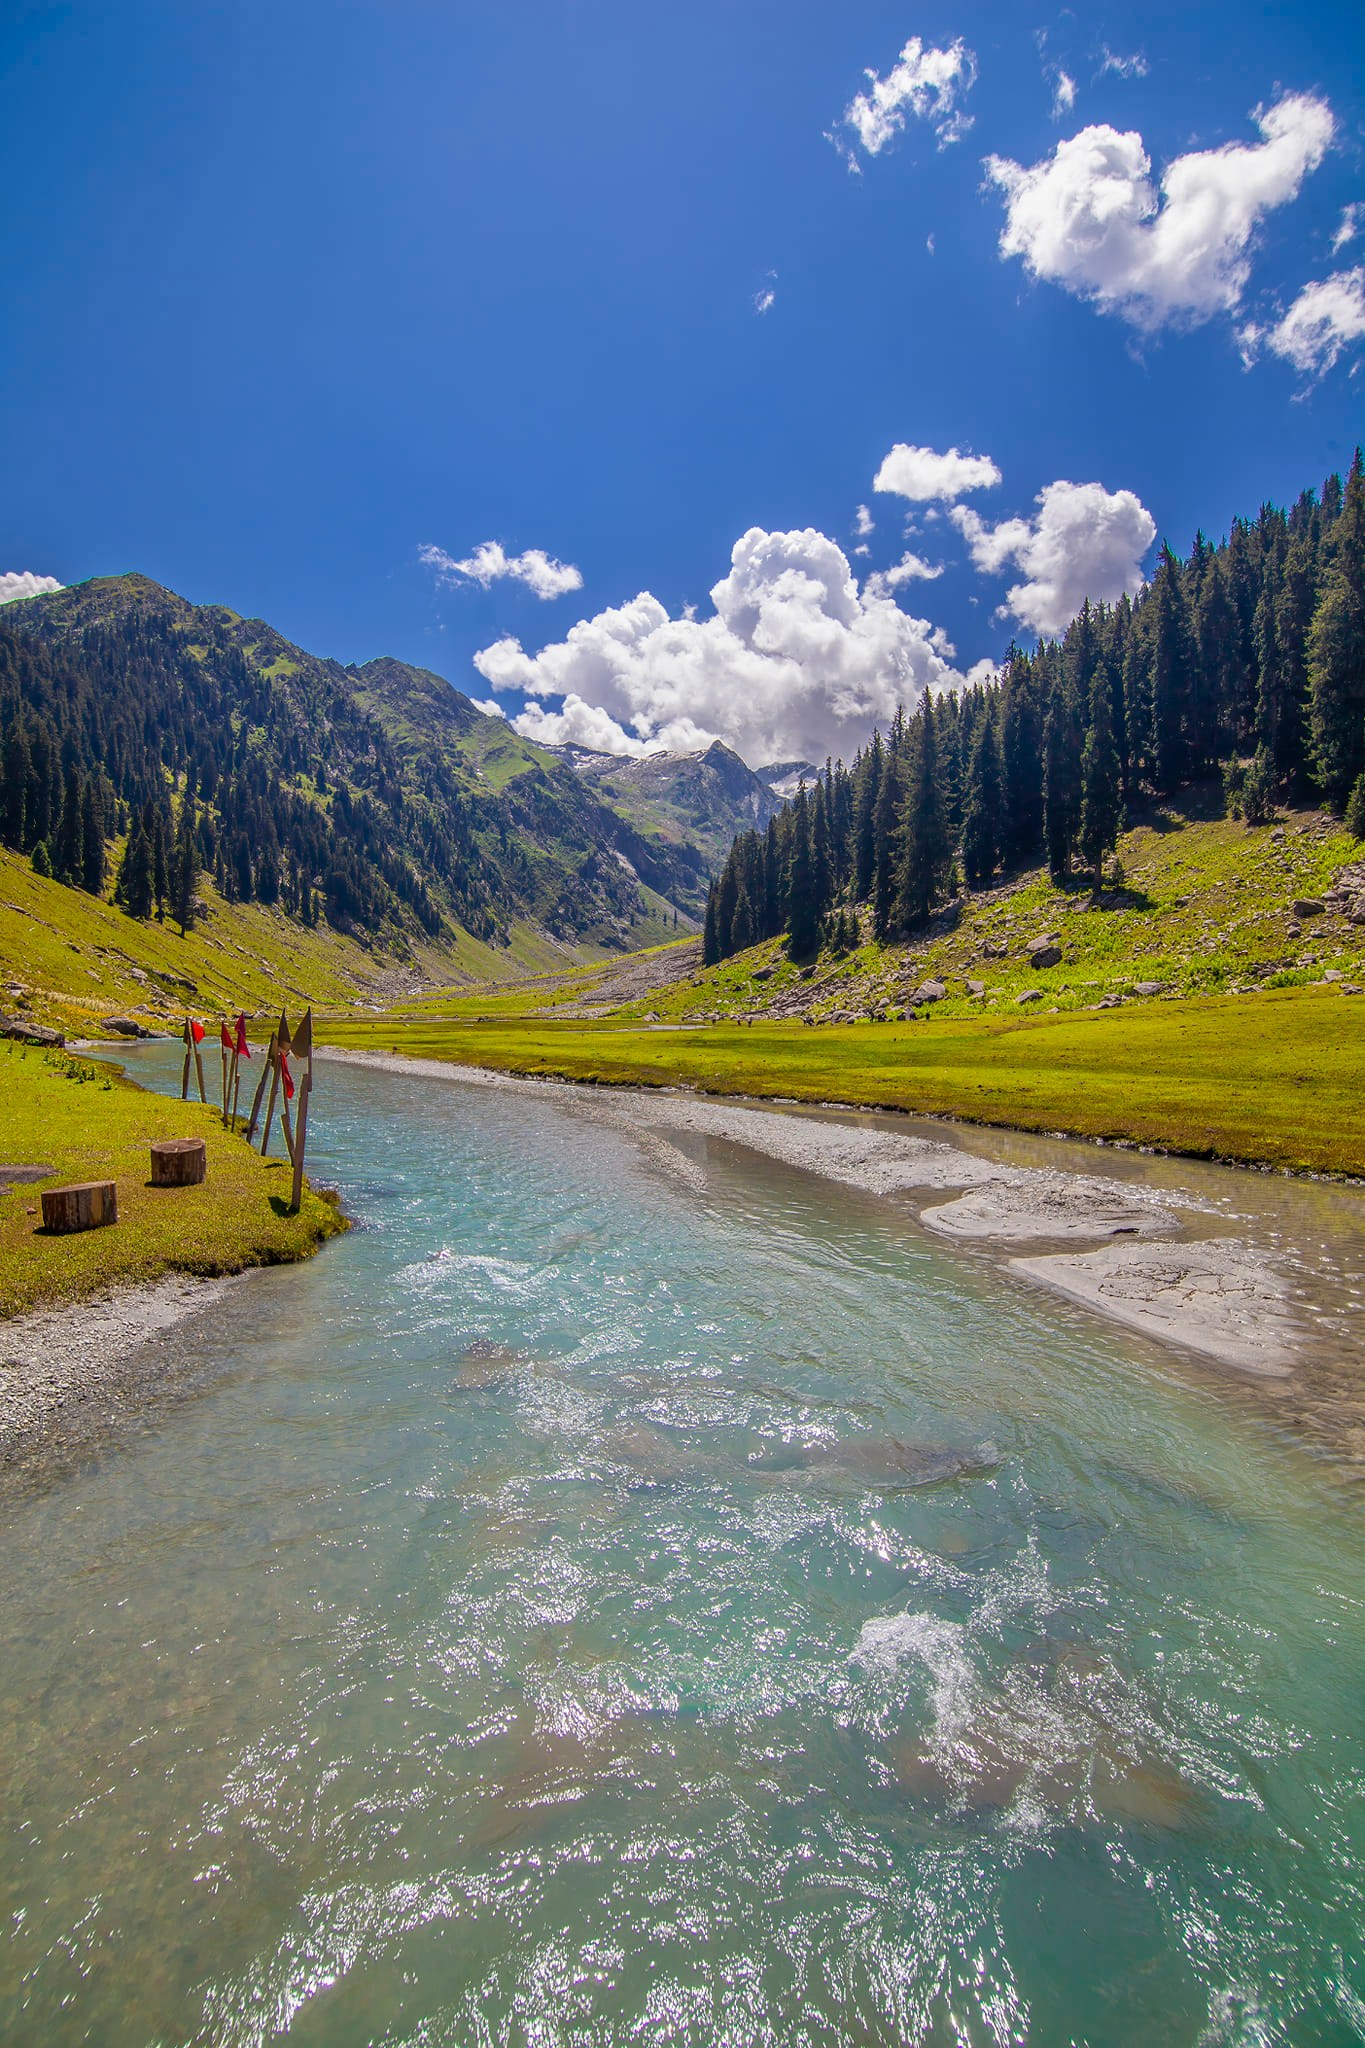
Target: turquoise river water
[[585, 1607]]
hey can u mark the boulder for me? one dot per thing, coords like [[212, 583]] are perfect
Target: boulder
[[1030, 995], [1332, 974], [28, 1033], [1308, 906], [764, 973], [1149, 988], [126, 1027], [975, 988], [929, 992], [996, 949], [1045, 956], [1041, 945]]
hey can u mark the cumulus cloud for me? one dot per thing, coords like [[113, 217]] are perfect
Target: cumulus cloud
[[923, 474], [1348, 227], [489, 706], [925, 83], [16, 583], [910, 568], [863, 523], [1324, 319], [794, 663], [1084, 542], [1134, 66], [1089, 218], [489, 564]]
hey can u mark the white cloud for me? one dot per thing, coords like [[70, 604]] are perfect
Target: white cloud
[[911, 568], [928, 84], [794, 663], [16, 583], [764, 299], [863, 523], [1088, 217], [1135, 66], [1348, 227], [1324, 319], [489, 706], [922, 473], [1084, 542], [1063, 93], [489, 564]]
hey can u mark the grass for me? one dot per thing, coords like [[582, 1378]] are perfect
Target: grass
[[1275, 1079], [90, 1124]]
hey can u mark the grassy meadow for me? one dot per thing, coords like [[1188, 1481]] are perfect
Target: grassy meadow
[[88, 1123]]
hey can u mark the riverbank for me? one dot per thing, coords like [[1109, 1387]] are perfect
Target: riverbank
[[1185, 1256], [1276, 1079], [72, 1308]]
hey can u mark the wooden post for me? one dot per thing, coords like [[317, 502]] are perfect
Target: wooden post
[[260, 1090], [303, 1052], [224, 1053], [185, 1070], [179, 1162], [199, 1070], [280, 1045], [87, 1205]]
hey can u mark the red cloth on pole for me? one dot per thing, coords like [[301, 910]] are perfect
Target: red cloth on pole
[[225, 1036], [241, 1048], [287, 1077], [196, 1031]]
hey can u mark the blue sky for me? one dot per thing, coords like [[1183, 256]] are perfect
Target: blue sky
[[292, 294]]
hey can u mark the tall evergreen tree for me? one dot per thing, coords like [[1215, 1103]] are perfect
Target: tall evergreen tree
[[1336, 649], [1101, 802], [982, 819], [925, 849], [184, 879], [803, 906]]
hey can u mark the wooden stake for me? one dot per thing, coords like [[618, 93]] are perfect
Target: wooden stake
[[260, 1090], [199, 1070], [301, 1138], [223, 1057], [281, 1044], [185, 1071]]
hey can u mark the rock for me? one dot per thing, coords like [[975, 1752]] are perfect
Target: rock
[[1149, 988], [929, 992], [996, 949], [1331, 974], [1350, 988], [975, 988], [1030, 995], [1044, 956], [28, 1033], [126, 1027], [1308, 906], [764, 973], [1111, 1001], [1036, 946], [1293, 931]]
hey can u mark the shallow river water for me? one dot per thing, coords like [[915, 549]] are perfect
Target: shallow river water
[[590, 1606]]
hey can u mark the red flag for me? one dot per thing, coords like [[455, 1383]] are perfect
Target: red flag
[[225, 1036], [241, 1048], [196, 1031], [288, 1077]]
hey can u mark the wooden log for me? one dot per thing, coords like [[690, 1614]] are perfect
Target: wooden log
[[179, 1162], [85, 1205]]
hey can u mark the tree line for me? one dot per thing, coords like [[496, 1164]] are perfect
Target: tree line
[[1246, 658]]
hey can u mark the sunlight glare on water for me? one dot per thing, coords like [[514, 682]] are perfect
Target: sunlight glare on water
[[595, 1604]]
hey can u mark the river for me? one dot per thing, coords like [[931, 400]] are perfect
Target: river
[[589, 1605]]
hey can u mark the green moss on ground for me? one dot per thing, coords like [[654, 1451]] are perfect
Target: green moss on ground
[[89, 1123], [1275, 1079]]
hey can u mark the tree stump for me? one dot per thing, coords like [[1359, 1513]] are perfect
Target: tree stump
[[87, 1205], [179, 1162]]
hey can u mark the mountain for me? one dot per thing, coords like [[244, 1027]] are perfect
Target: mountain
[[784, 778], [376, 797], [702, 799]]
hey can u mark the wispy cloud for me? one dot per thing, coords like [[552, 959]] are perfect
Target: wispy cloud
[[1325, 319], [925, 84], [490, 563], [1063, 92], [1134, 66], [766, 293], [1348, 227]]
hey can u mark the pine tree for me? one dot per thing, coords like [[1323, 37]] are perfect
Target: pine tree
[[1101, 803], [926, 850], [69, 852], [1021, 747], [886, 824], [133, 887], [184, 878], [92, 842], [864, 818], [1169, 653], [1062, 742], [1336, 650], [1355, 808], [803, 910], [982, 818], [42, 859]]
